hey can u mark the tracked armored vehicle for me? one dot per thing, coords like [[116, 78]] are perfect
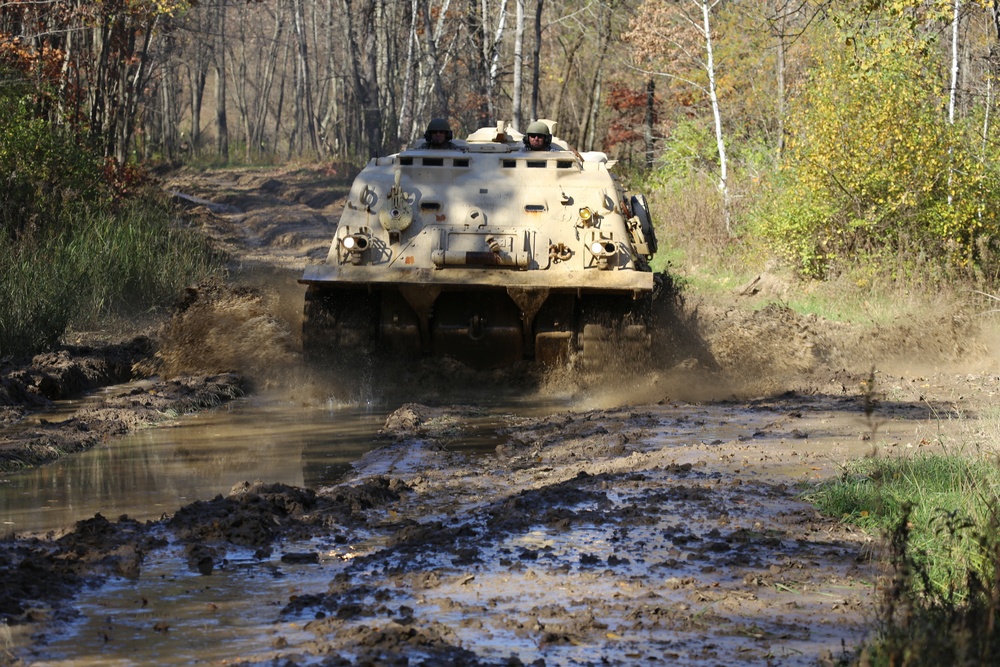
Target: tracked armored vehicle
[[488, 253]]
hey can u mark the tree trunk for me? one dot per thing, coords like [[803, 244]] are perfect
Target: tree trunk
[[518, 63], [363, 73], [433, 34], [407, 119], [479, 27], [588, 126], [953, 92], [536, 58], [279, 109], [781, 67], [495, 57], [304, 109], [203, 45], [569, 61], [221, 122], [648, 124], [595, 109], [706, 9], [993, 65], [136, 78], [330, 83]]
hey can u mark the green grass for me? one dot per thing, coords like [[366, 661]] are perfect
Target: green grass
[[93, 264], [947, 499], [38, 301], [939, 513]]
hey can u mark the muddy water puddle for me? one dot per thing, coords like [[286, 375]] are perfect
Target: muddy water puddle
[[171, 616], [156, 471], [575, 580]]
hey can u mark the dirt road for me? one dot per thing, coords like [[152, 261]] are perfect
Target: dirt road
[[658, 523]]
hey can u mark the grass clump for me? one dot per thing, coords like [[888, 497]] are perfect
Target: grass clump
[[940, 513], [94, 264]]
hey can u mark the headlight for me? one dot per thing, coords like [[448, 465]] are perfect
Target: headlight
[[603, 248], [605, 252], [353, 246]]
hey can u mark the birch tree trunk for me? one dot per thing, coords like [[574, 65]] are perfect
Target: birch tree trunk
[[487, 38], [953, 92], [954, 84], [494, 57], [706, 10]]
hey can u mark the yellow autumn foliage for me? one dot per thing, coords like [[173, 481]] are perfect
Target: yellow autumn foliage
[[872, 163]]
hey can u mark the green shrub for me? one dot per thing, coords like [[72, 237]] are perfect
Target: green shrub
[[46, 172]]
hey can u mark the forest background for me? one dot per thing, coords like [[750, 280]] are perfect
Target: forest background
[[827, 138]]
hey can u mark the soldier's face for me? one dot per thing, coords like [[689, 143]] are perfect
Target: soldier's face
[[536, 140], [437, 137]]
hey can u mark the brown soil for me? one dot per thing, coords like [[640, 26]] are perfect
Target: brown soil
[[666, 527]]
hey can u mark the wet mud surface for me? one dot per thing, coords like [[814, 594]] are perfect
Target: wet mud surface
[[660, 521]]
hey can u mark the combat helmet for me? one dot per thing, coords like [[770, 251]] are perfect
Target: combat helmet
[[538, 127], [439, 125]]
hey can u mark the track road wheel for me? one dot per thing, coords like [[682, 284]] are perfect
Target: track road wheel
[[338, 325], [614, 337]]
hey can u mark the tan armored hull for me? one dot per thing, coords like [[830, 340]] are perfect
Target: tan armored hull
[[484, 252]]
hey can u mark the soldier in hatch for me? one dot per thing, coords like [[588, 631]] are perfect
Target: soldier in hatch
[[438, 135], [538, 137]]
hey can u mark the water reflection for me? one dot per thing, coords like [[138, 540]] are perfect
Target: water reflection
[[298, 441], [156, 471]]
